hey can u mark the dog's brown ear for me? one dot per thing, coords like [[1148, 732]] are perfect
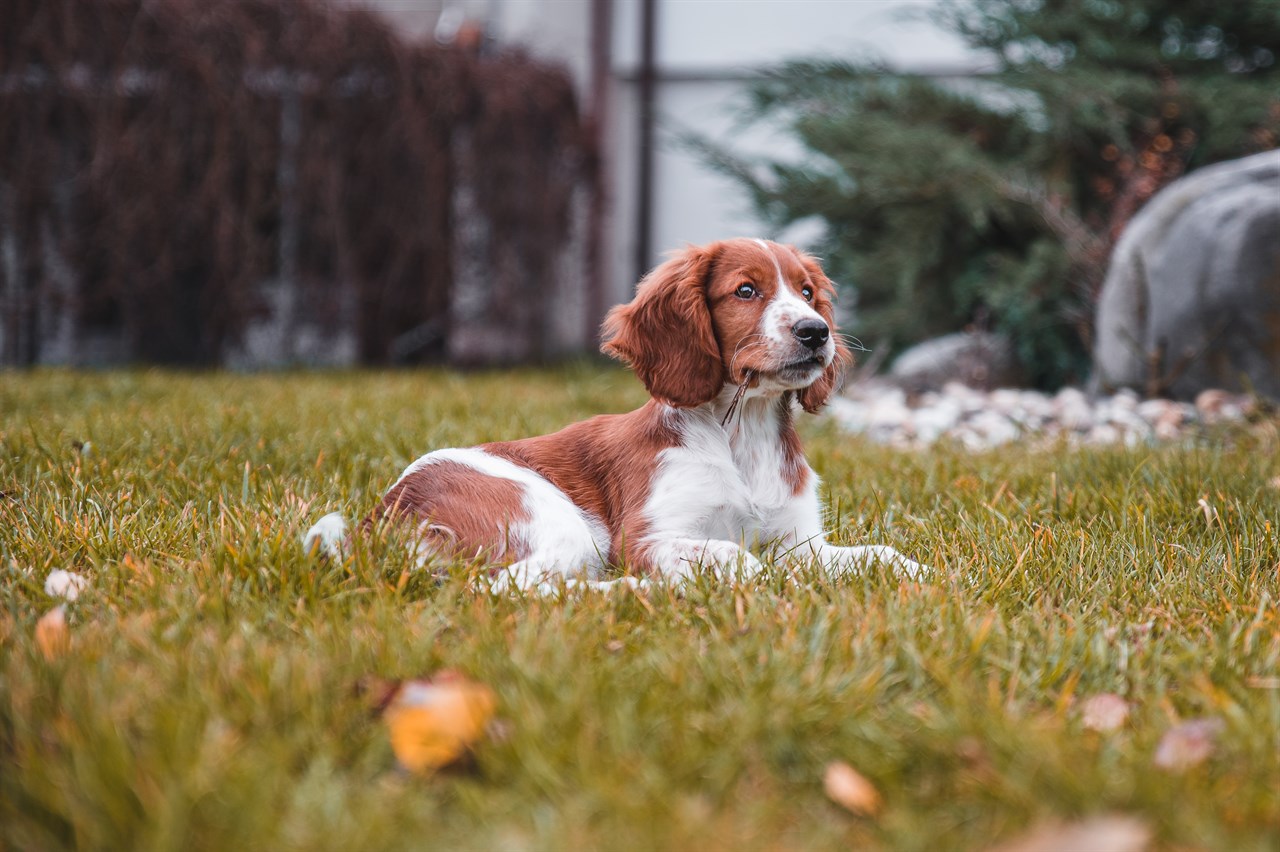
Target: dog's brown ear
[[815, 396], [665, 332]]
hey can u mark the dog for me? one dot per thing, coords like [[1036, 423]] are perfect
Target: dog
[[731, 339]]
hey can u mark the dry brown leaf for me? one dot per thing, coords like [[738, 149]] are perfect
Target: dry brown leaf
[[434, 723], [850, 789], [1105, 712], [375, 692], [1188, 744], [1106, 833], [52, 636]]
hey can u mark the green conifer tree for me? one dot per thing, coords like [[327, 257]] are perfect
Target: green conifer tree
[[993, 201]]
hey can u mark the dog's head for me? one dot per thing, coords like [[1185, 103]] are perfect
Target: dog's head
[[730, 312]]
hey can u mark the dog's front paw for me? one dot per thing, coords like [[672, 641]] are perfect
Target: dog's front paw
[[899, 564], [908, 569], [848, 560], [727, 560]]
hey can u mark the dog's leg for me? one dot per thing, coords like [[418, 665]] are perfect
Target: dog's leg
[[678, 560], [852, 560], [799, 528], [548, 576]]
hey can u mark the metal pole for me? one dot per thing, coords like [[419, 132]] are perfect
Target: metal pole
[[601, 52], [644, 188]]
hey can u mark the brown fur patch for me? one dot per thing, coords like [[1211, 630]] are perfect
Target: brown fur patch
[[605, 465], [795, 469], [460, 511], [665, 332]]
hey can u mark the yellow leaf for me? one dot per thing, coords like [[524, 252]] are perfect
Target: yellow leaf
[[434, 723], [52, 636], [850, 789]]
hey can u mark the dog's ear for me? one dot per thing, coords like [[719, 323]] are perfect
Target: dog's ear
[[665, 332], [815, 395]]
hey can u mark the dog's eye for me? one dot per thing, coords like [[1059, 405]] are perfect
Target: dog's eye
[[807, 292], [744, 291]]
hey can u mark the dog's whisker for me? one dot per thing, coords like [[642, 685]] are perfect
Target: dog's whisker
[[743, 349], [755, 339], [852, 342]]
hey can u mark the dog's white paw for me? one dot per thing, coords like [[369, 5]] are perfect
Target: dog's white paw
[[853, 560], [908, 569]]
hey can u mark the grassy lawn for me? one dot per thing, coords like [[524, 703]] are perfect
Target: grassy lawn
[[207, 698]]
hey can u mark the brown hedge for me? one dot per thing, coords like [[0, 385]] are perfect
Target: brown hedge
[[144, 139]]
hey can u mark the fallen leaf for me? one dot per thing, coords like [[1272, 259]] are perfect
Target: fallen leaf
[[1107, 833], [850, 789], [1105, 712], [52, 636], [1188, 744], [376, 692], [435, 722], [64, 584]]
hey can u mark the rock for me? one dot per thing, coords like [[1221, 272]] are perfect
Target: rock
[[980, 421], [1167, 428], [1194, 285], [994, 428], [1217, 406], [1125, 400], [1007, 401], [977, 359], [1103, 433], [932, 421], [1072, 409]]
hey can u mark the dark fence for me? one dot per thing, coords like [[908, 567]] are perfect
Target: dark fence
[[252, 182]]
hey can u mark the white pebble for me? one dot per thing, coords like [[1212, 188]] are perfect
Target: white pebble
[[979, 420], [64, 584]]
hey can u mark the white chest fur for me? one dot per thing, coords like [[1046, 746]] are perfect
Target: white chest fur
[[722, 482]]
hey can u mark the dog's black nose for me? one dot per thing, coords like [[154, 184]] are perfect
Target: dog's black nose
[[812, 333]]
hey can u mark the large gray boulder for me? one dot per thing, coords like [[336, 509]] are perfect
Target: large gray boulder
[[1192, 297], [977, 359]]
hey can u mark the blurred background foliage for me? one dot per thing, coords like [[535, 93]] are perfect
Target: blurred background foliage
[[173, 172], [993, 202]]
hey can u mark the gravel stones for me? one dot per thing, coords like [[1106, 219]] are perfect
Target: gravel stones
[[981, 420]]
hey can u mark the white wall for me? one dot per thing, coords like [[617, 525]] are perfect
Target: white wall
[[705, 51]]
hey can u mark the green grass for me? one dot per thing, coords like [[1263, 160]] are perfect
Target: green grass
[[207, 701]]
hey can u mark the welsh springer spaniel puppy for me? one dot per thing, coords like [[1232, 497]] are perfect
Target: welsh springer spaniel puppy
[[730, 339]]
